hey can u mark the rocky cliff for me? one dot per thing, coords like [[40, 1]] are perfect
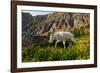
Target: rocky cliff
[[42, 25]]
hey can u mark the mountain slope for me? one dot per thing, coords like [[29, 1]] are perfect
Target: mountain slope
[[58, 21], [43, 25]]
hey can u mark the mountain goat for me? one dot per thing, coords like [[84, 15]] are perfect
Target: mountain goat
[[62, 37]]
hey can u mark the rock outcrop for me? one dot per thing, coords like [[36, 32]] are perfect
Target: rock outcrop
[[42, 25]]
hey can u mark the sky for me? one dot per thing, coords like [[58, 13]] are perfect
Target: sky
[[34, 13]]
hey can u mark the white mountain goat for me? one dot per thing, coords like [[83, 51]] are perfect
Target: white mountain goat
[[62, 37]]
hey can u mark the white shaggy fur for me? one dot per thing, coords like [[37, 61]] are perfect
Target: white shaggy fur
[[61, 37]]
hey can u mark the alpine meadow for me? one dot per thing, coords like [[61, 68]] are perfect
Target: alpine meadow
[[37, 27]]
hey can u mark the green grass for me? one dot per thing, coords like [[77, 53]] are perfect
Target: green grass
[[78, 51]]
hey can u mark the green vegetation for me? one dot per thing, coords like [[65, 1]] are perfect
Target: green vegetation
[[78, 51]]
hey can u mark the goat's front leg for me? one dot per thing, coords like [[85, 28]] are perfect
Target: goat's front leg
[[57, 43], [64, 43]]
